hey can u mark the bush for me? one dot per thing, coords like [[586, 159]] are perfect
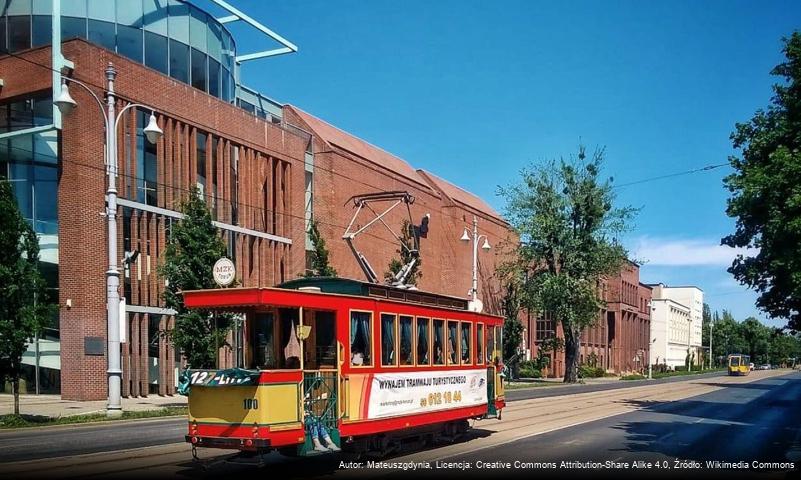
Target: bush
[[530, 369], [586, 371], [635, 376], [530, 373]]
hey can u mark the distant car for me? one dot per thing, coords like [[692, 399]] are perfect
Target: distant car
[[751, 366], [764, 367]]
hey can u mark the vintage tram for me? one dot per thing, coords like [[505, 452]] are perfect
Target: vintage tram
[[330, 363]]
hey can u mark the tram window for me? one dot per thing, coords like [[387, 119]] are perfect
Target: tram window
[[466, 341], [288, 321], [734, 361], [406, 347], [360, 334], [263, 326], [439, 342], [388, 327], [490, 343], [453, 343], [423, 325], [480, 343]]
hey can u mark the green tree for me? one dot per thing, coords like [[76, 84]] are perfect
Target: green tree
[[783, 347], [319, 256], [512, 328], [765, 198], [24, 309], [405, 255], [193, 248], [569, 231], [757, 338]]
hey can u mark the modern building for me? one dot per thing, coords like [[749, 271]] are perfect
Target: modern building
[[265, 168], [676, 325], [618, 341]]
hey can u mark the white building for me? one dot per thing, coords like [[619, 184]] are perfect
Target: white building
[[676, 324]]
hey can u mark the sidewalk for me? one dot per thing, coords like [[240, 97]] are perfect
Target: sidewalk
[[53, 406]]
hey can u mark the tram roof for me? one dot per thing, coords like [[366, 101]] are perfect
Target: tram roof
[[349, 286], [254, 296]]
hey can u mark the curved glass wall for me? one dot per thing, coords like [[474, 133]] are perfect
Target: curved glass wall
[[171, 36]]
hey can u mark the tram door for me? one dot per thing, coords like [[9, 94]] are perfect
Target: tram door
[[320, 377], [491, 410]]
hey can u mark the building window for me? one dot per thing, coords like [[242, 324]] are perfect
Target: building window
[[179, 61], [201, 163], [72, 27], [102, 33], [129, 43], [156, 52], [214, 77], [42, 28], [199, 70], [19, 32], [146, 163]]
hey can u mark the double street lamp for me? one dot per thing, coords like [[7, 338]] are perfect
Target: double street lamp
[[111, 118], [475, 238]]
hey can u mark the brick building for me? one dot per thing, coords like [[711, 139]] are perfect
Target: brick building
[[264, 167], [619, 341]]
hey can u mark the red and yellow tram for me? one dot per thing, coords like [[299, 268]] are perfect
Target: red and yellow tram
[[365, 366]]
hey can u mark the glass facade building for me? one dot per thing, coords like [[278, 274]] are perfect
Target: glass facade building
[[171, 36]]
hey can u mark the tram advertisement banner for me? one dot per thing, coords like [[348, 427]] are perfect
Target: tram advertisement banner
[[394, 394]]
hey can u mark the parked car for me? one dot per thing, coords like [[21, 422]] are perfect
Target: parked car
[[751, 366], [764, 367]]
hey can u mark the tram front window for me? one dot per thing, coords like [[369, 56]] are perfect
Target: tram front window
[[274, 344], [734, 362]]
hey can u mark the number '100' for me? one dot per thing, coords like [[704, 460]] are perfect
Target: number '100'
[[250, 404]]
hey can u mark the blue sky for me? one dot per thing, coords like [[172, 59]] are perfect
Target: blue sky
[[474, 91]]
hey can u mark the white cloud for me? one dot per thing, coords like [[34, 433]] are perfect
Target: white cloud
[[685, 252]]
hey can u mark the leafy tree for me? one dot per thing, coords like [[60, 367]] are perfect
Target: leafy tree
[[783, 347], [319, 259], [24, 310], [765, 198], [568, 228], [405, 255], [512, 328], [193, 248], [757, 338]]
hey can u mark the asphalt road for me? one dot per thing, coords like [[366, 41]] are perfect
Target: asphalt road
[[553, 391], [48, 442], [758, 421]]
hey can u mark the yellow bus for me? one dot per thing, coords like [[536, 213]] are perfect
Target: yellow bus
[[739, 364]]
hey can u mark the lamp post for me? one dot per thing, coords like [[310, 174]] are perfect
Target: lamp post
[[66, 104], [474, 302]]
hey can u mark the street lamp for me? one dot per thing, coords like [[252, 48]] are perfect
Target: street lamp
[[67, 104], [475, 304]]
